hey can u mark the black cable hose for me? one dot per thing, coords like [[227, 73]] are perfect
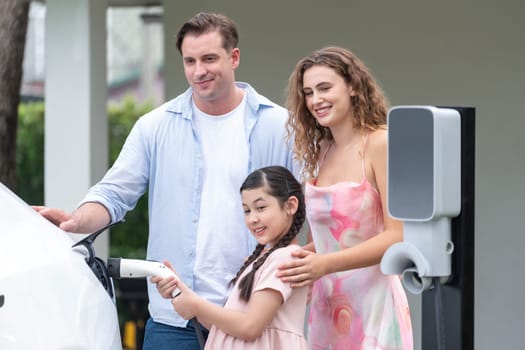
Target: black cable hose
[[198, 331], [438, 308]]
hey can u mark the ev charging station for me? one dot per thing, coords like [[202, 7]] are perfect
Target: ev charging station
[[431, 189]]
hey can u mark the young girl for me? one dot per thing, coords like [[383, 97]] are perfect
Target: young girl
[[338, 117], [261, 312]]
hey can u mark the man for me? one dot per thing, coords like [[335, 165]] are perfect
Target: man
[[192, 153]]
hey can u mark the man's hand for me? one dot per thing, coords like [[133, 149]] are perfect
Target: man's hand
[[88, 218], [60, 218]]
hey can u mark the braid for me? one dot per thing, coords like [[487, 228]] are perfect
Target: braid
[[247, 262]]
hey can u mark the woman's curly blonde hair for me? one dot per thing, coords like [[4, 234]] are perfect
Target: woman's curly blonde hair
[[370, 105]]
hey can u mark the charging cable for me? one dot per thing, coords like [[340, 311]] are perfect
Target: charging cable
[[438, 308]]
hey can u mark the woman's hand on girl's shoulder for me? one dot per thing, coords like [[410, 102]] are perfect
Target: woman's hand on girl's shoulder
[[303, 269]]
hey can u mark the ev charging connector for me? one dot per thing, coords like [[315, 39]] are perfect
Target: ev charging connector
[[424, 191], [134, 268]]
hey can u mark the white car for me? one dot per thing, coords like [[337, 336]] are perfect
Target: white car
[[49, 297]]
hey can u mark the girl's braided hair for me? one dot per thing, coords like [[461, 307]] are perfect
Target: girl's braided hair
[[278, 182]]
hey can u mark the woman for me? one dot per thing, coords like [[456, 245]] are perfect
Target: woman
[[338, 119]]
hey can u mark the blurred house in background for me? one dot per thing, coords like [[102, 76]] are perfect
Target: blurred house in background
[[134, 54]]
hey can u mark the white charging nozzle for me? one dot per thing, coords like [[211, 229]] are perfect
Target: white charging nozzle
[[135, 268]]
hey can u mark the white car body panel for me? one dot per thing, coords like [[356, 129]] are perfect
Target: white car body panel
[[52, 300]]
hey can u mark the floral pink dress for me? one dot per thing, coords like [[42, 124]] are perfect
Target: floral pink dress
[[361, 308]]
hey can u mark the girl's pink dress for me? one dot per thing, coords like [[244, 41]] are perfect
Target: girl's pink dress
[[361, 308], [285, 331]]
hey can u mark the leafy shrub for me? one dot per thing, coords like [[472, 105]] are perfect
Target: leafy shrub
[[30, 152]]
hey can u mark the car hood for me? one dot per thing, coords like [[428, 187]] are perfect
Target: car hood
[[51, 298]]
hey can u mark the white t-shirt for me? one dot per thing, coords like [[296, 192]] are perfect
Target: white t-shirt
[[221, 223]]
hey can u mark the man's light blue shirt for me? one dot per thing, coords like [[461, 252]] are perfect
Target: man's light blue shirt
[[163, 155]]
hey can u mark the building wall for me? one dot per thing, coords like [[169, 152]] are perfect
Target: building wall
[[438, 53]]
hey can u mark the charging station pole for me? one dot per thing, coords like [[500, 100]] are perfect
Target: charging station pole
[[431, 154], [458, 293]]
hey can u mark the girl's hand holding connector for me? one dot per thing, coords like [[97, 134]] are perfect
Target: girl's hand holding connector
[[166, 285]]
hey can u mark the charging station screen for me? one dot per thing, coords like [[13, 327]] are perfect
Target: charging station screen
[[410, 163]]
